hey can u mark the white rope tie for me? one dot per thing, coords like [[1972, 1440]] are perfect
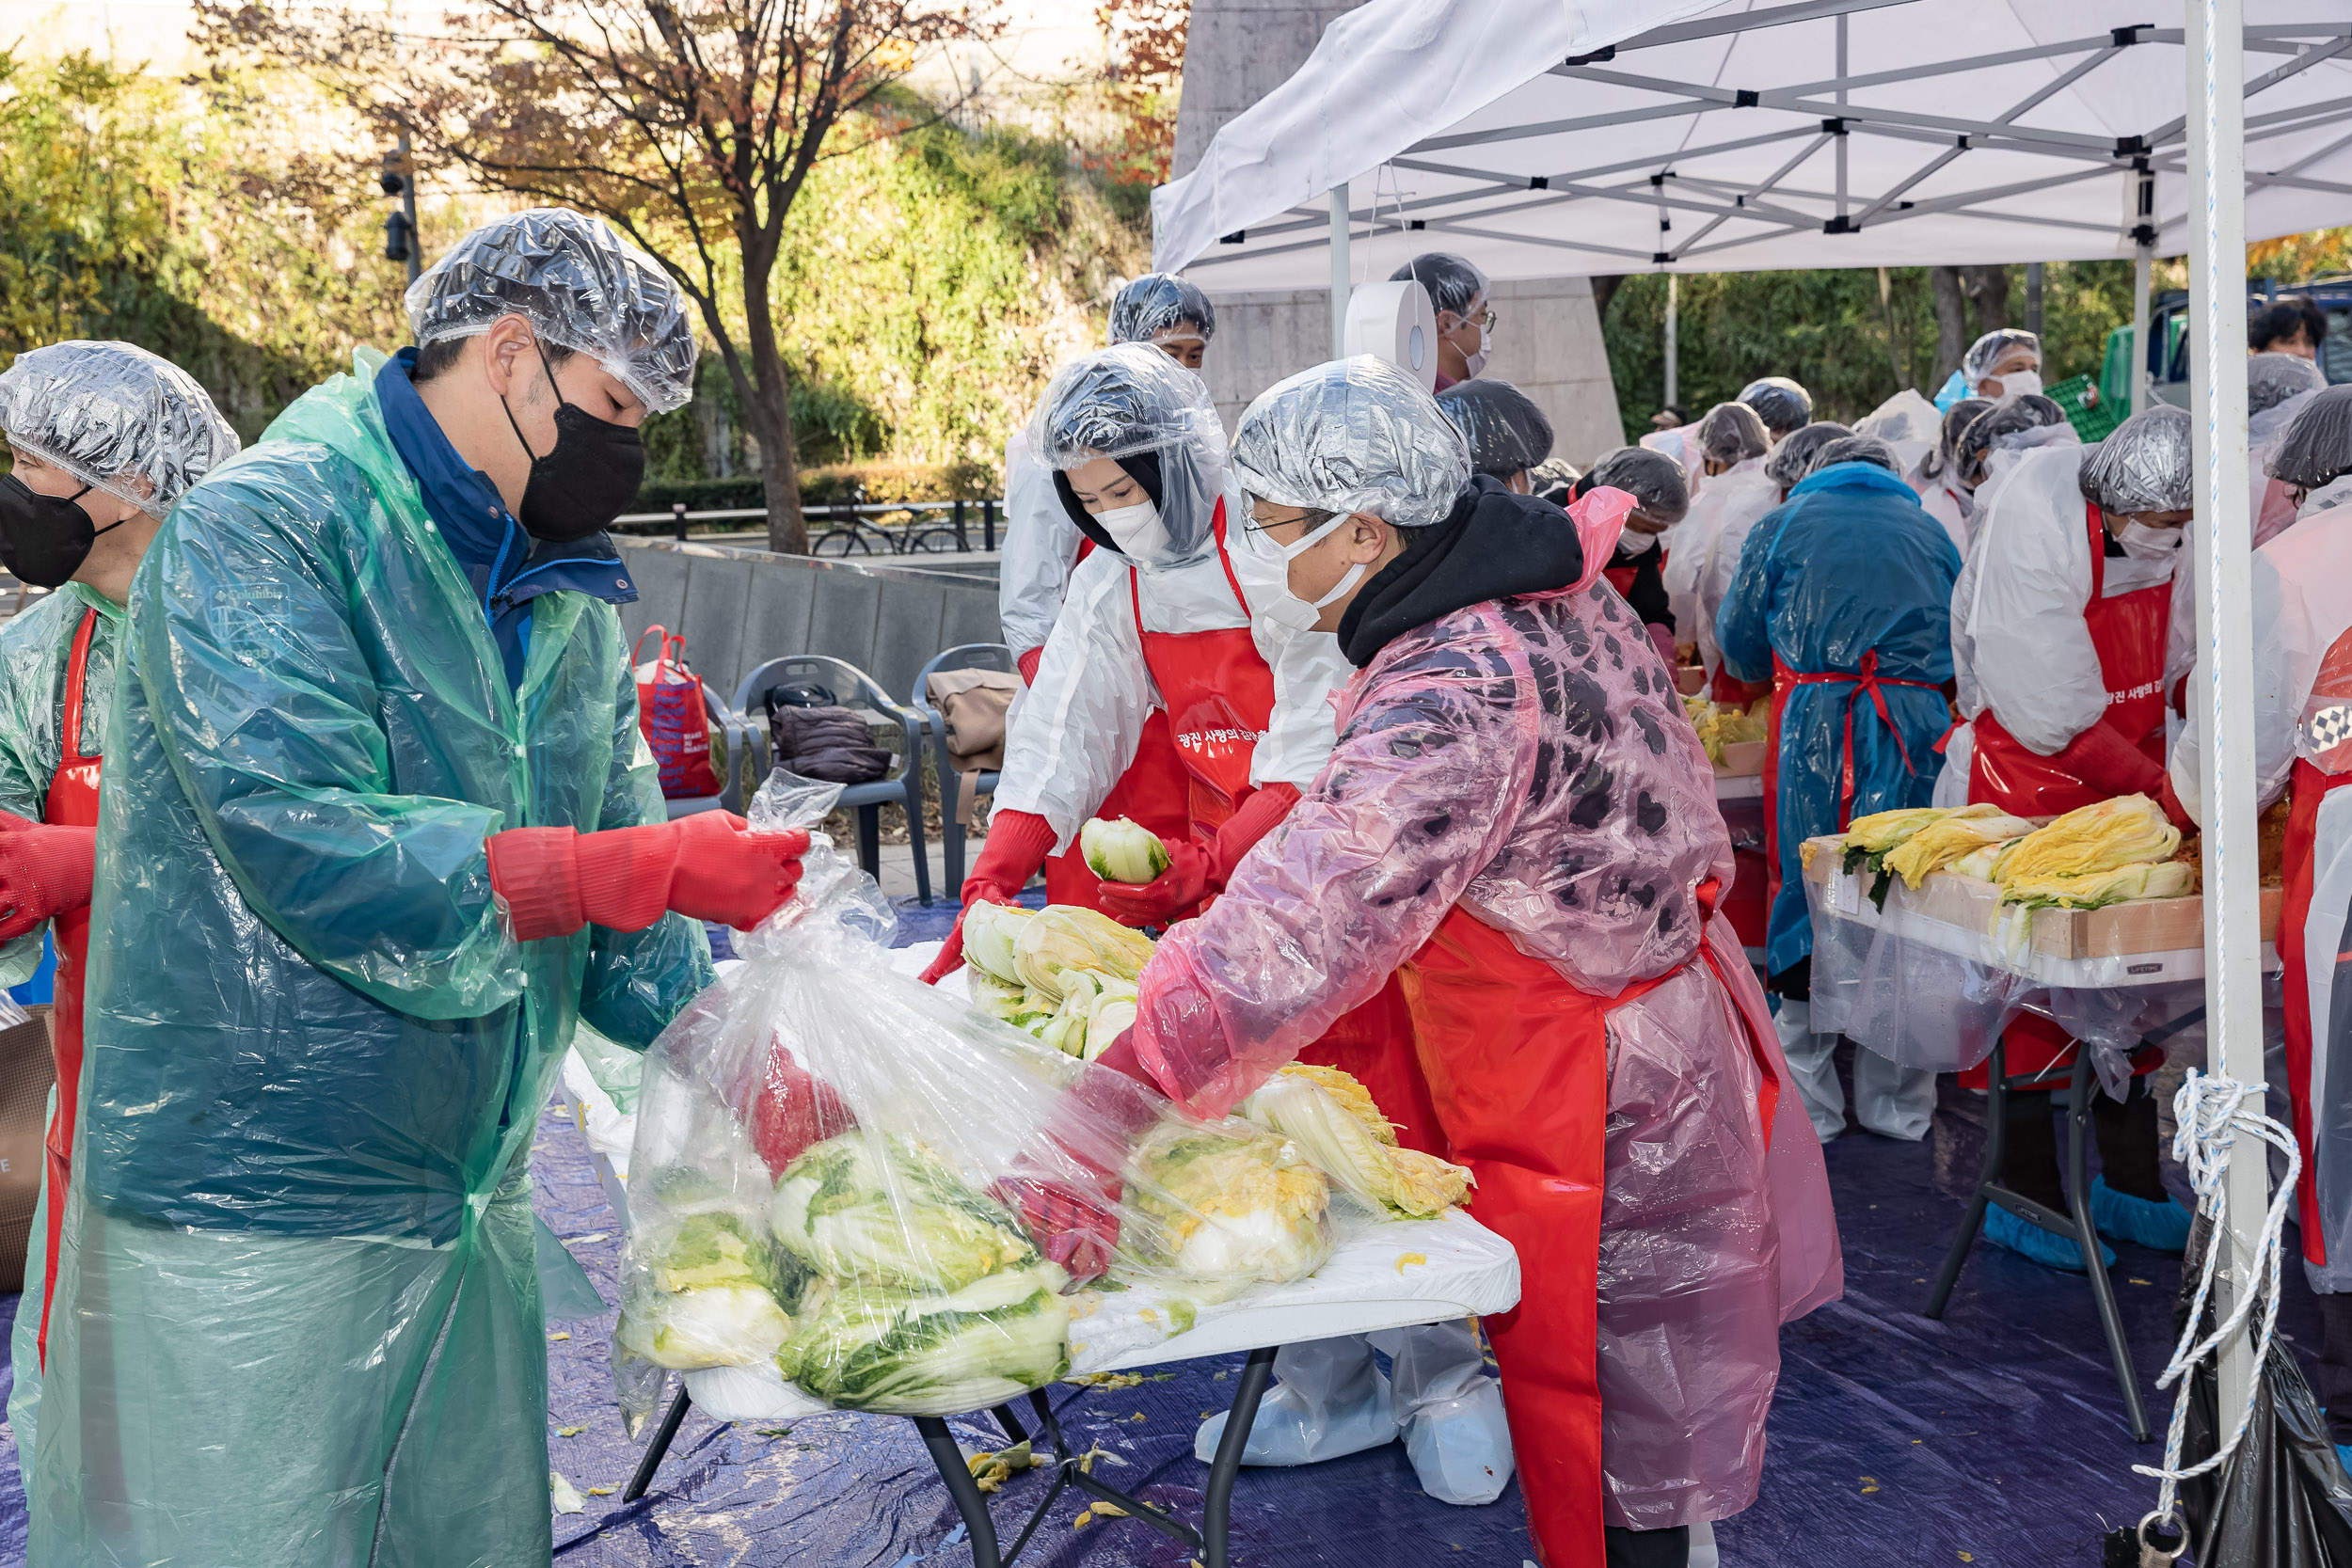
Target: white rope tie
[[2210, 1114]]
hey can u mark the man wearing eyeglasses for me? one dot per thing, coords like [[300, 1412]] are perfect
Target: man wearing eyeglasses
[[1466, 322]]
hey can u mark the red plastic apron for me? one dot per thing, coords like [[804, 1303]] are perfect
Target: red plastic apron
[[2128, 632], [72, 803], [1517, 1061], [1865, 682], [2309, 787], [1153, 793]]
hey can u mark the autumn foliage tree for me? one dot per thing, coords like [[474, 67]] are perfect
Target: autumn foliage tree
[[691, 124]]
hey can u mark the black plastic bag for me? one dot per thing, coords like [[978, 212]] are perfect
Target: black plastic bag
[[2283, 1500]]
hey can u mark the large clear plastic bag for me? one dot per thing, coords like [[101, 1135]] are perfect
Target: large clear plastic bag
[[870, 1189]]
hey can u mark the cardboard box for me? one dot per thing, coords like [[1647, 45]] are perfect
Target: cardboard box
[[2140, 926], [1742, 759], [1690, 679]]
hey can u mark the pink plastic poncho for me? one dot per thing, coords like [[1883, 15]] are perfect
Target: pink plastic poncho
[[1530, 760]]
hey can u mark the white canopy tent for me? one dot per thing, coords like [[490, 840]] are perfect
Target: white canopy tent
[[1544, 139], [1836, 133]]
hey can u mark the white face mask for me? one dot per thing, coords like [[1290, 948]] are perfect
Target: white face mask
[[1137, 530], [2021, 384], [1290, 610], [2142, 542], [1634, 542], [1473, 363]]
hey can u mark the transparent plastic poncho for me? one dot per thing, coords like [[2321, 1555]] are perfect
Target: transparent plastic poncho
[[1945, 460], [1794, 457], [1352, 435], [847, 1181], [1132, 401], [2143, 465], [1858, 448], [578, 284], [1506, 432], [2011, 425], [1157, 307], [116, 418]]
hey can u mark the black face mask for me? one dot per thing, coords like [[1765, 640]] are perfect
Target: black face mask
[[582, 483], [44, 539]]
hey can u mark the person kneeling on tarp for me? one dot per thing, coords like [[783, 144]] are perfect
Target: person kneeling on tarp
[[1518, 821]]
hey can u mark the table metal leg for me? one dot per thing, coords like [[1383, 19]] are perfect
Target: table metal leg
[[658, 1446], [970, 1501], [2086, 1234], [1014, 1430], [1218, 1505], [1995, 1125]]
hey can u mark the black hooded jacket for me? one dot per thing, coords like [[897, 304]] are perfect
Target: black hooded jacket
[[1493, 544]]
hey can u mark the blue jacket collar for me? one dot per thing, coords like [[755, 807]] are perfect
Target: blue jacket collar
[[1854, 476], [506, 566]]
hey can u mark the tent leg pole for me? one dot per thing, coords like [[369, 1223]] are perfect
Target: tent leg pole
[[1674, 340], [2215, 43], [1339, 270]]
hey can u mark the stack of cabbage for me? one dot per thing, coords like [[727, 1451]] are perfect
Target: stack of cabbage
[[1066, 975], [1332, 1119], [2101, 854], [1721, 725]]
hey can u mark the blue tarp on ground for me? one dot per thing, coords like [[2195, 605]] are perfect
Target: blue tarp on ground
[[1995, 1438]]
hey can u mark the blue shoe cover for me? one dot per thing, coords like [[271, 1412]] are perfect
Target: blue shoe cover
[[2045, 1247], [2161, 1226], [1331, 1401]]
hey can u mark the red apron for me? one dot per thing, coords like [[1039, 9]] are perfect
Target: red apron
[[1865, 682], [2307, 788], [2128, 632], [72, 803], [1516, 1060]]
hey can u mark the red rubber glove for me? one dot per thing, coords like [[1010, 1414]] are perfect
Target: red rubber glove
[[2102, 758], [709, 867], [1070, 1206], [2174, 812], [1259, 815], [45, 871], [1017, 844], [1026, 663], [1191, 875]]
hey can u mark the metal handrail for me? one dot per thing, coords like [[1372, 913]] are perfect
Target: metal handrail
[[907, 538]]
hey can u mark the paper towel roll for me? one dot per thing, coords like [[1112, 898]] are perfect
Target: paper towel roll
[[1394, 322]]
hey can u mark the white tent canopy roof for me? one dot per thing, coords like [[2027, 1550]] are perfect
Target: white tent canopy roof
[[1752, 136]]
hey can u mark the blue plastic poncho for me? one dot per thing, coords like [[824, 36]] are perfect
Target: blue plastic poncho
[[299, 1318], [1850, 567]]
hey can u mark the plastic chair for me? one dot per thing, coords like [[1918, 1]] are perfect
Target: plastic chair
[[737, 731], [967, 656], [856, 689]]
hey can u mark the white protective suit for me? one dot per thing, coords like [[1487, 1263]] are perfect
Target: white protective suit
[[1071, 735], [2302, 603], [1735, 500], [2019, 643], [1950, 505], [1039, 550]]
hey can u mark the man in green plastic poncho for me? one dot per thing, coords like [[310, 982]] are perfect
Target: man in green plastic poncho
[[103, 438], [377, 828]]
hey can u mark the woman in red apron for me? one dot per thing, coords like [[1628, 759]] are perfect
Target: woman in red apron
[[1517, 817], [105, 438], [2060, 631]]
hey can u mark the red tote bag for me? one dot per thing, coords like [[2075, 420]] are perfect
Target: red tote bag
[[671, 713]]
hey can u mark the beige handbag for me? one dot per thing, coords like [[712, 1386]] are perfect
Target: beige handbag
[[973, 703]]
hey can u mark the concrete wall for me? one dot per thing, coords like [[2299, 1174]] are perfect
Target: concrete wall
[[736, 608], [1548, 345]]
